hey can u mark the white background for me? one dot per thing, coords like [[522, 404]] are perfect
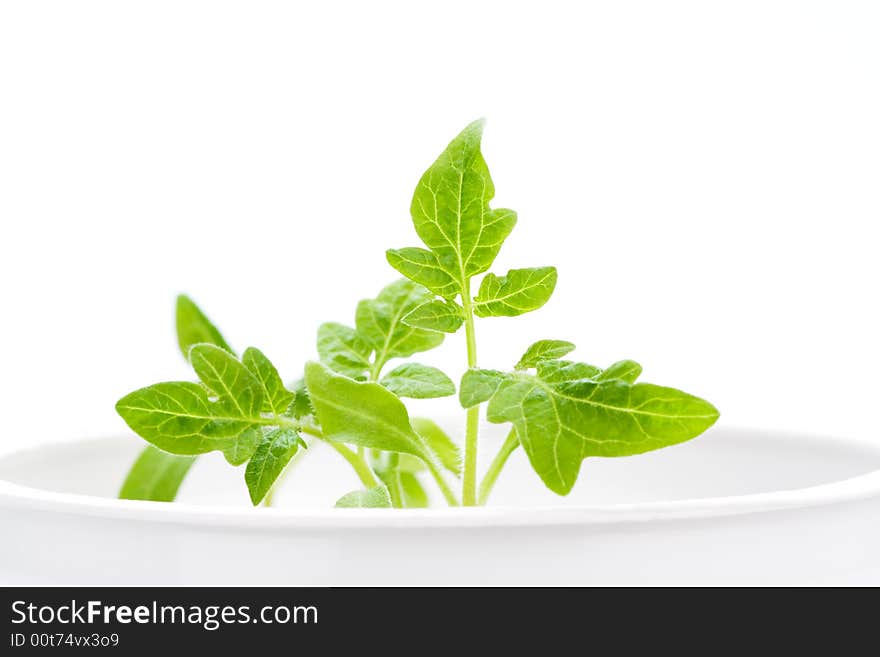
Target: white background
[[706, 177]]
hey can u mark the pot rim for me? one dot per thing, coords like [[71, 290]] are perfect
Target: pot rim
[[853, 489]]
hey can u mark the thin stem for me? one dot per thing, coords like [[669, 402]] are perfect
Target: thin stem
[[448, 493], [394, 490], [472, 428], [363, 471], [357, 462], [497, 465]]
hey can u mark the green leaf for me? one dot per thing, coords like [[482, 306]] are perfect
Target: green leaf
[[443, 316], [412, 493], [557, 371], [379, 322], [544, 350], [422, 267], [478, 386], [447, 452], [273, 454], [361, 413], [243, 446], [226, 376], [178, 417], [343, 350], [302, 405], [155, 476], [276, 398], [396, 471], [560, 424], [418, 381], [625, 370], [520, 291], [372, 498], [408, 462], [450, 209], [193, 327], [382, 462]]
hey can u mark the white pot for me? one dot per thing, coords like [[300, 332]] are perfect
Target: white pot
[[731, 507]]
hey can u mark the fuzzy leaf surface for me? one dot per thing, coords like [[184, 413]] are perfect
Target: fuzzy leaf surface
[[361, 413], [519, 291], [380, 324], [478, 386], [342, 349], [273, 454], [560, 424], [418, 381], [446, 450], [243, 446], [544, 350], [178, 417], [441, 316], [625, 370], [194, 327], [302, 405], [557, 371], [422, 266], [372, 498], [276, 398], [451, 213], [226, 376]]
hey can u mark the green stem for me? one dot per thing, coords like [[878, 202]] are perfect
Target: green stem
[[472, 428], [448, 493], [357, 462], [497, 465], [363, 471], [394, 490]]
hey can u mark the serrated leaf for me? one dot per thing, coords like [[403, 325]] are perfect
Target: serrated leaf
[[560, 424], [436, 315], [625, 370], [276, 398], [447, 452], [156, 476], [302, 405], [478, 386], [423, 267], [178, 417], [557, 371], [418, 381], [226, 376], [450, 209], [372, 498], [379, 321], [343, 349], [361, 413], [193, 327], [243, 446], [544, 350], [273, 454], [519, 291]]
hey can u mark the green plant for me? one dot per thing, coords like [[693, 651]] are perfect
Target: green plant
[[559, 411]]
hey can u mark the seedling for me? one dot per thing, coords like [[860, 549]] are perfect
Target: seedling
[[559, 411]]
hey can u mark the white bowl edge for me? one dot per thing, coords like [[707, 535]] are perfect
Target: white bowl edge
[[846, 490]]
